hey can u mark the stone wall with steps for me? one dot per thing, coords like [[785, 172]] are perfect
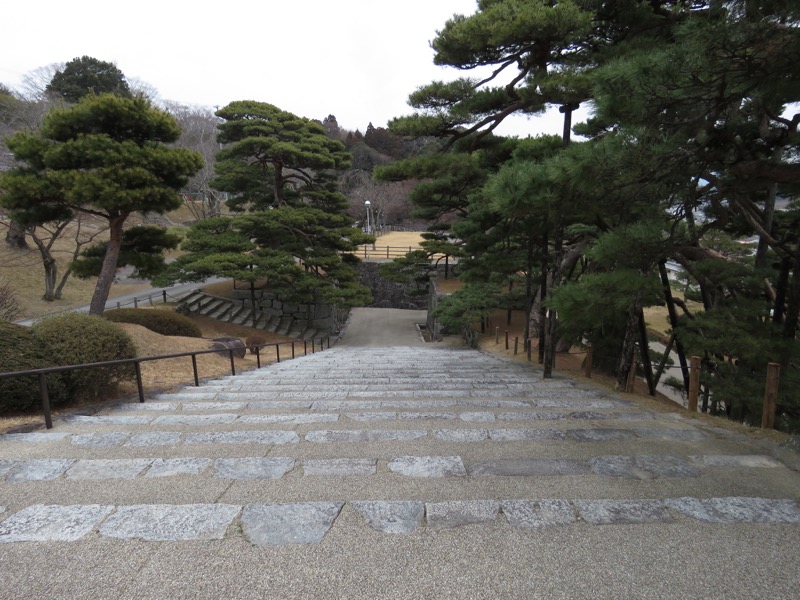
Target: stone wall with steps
[[304, 322]]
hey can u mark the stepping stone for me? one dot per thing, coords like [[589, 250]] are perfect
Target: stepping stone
[[642, 467], [41, 469], [121, 468], [538, 513], [371, 416], [721, 460], [521, 435], [529, 467], [392, 517], [166, 467], [34, 437], [211, 406], [155, 438], [363, 435], [252, 468], [426, 415], [737, 510], [169, 523], [281, 524], [588, 415], [218, 419], [600, 435], [461, 512], [340, 467], [279, 404], [681, 435], [243, 437], [461, 435], [99, 440], [476, 417], [297, 419], [428, 466], [626, 512], [52, 523], [530, 416], [107, 420], [147, 406]]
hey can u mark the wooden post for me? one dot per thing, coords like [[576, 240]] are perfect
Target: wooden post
[[694, 382], [587, 362], [496, 335], [516, 345], [770, 396], [530, 345], [632, 373], [506, 339], [135, 302]]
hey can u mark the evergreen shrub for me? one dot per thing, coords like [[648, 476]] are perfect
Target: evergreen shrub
[[163, 322], [77, 338], [19, 351]]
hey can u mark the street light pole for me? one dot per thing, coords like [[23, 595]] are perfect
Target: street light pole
[[366, 204]]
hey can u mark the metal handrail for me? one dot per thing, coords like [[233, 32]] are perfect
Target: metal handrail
[[136, 362]]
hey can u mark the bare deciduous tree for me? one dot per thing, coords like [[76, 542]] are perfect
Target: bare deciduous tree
[[199, 133]]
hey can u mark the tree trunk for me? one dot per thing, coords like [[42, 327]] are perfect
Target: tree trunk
[[629, 342], [673, 321], [50, 277], [109, 268], [644, 345], [15, 236]]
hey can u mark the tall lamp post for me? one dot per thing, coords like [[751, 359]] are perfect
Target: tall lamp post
[[369, 228]]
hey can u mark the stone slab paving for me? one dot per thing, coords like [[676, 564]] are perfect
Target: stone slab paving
[[635, 467], [422, 447], [308, 522]]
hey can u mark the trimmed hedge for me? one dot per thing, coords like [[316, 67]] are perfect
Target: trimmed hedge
[[78, 338], [19, 351], [163, 322]]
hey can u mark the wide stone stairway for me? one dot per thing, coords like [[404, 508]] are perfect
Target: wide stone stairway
[[402, 472]]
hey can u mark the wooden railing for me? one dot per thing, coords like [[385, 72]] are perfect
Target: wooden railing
[[41, 374]]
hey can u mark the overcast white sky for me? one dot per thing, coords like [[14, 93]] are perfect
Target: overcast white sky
[[356, 59]]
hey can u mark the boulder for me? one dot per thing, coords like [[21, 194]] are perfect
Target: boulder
[[225, 344]]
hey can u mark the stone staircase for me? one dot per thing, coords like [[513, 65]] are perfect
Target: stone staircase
[[431, 445], [241, 313]]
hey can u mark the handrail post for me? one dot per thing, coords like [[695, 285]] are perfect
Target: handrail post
[[233, 366], [516, 344], [506, 339], [313, 345], [305, 348], [292, 348], [164, 295], [258, 356], [194, 369], [587, 367], [48, 418], [770, 396], [694, 382], [138, 367], [278, 351]]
